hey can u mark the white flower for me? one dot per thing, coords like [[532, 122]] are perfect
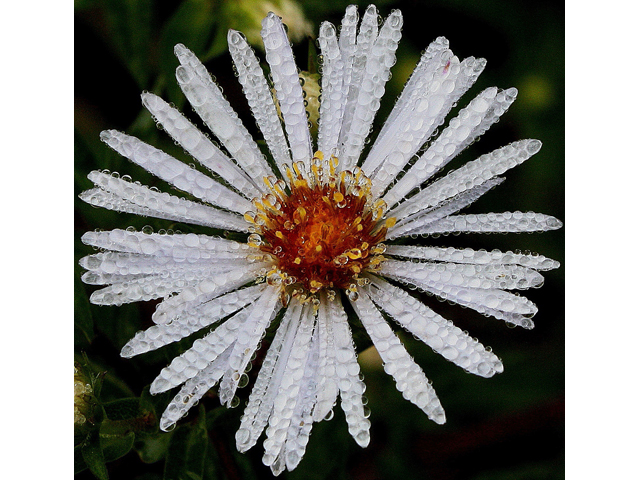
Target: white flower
[[316, 225]]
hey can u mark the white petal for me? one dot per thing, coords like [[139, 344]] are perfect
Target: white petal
[[205, 291], [193, 390], [198, 145], [429, 60], [506, 277], [267, 385], [333, 95], [131, 197], [187, 247], [128, 290], [347, 374], [437, 332], [110, 267], [503, 305], [409, 377], [469, 175], [327, 385], [284, 403], [216, 112], [278, 465], [134, 287], [247, 340], [258, 93], [415, 110], [203, 351], [287, 85], [420, 118], [472, 121], [367, 87], [204, 315], [354, 54], [302, 420], [420, 220], [347, 43], [478, 257], [173, 171], [505, 222]]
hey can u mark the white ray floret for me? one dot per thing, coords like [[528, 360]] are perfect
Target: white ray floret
[[426, 112], [347, 374], [468, 255], [507, 277], [364, 101], [415, 115], [434, 330], [216, 112], [278, 466], [427, 63], [333, 94], [193, 390], [205, 291], [485, 299], [510, 307], [200, 355], [469, 175], [410, 379], [204, 315], [247, 340], [125, 196], [421, 220], [355, 50], [198, 145], [302, 419], [110, 266], [469, 124], [173, 171], [347, 43], [286, 82], [258, 93], [327, 384], [284, 403], [188, 247], [142, 289], [497, 303], [505, 222], [267, 385]]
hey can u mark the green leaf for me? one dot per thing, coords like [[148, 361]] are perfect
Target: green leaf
[[83, 4], [83, 321], [116, 446], [126, 415], [155, 403], [153, 448], [187, 450], [94, 458], [130, 25], [79, 464], [123, 409]]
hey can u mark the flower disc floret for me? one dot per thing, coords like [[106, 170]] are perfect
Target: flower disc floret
[[322, 229]]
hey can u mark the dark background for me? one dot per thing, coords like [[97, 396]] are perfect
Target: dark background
[[507, 427]]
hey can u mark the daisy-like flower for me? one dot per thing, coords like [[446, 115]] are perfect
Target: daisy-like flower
[[320, 229]]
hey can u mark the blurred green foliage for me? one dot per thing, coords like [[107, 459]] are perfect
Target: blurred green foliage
[[506, 427]]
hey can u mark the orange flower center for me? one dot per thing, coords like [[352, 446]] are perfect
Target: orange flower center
[[322, 230]]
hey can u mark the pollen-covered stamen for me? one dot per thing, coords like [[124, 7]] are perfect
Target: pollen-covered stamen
[[322, 229]]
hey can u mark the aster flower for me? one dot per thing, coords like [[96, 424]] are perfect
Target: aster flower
[[319, 231]]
